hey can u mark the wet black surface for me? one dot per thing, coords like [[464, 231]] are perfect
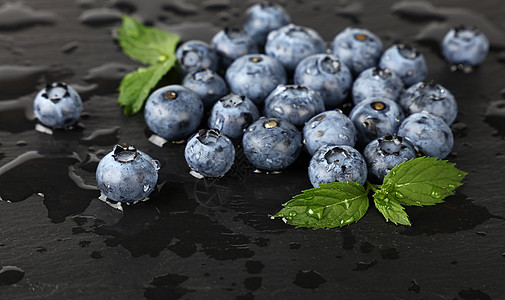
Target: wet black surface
[[213, 239]]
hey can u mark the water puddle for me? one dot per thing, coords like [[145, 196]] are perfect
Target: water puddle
[[495, 116], [166, 287], [100, 17], [16, 15], [10, 275], [108, 76], [19, 80], [309, 279], [150, 11]]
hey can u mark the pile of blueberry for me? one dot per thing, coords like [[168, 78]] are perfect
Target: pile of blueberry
[[285, 99]]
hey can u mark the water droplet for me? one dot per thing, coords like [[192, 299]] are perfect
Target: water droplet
[[399, 195], [146, 187], [435, 193]]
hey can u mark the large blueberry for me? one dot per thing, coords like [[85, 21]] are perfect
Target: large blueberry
[[429, 133], [127, 174], [340, 163], [377, 82], [231, 43], [326, 74], [272, 144], [430, 97], [173, 112], [232, 114], [194, 55], [329, 128], [255, 76], [406, 61], [207, 84], [57, 105], [263, 17], [294, 103], [465, 46], [358, 48]]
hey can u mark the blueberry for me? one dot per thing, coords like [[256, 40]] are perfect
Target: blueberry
[[376, 117], [272, 144], [294, 103], [127, 174], [57, 105], [383, 154], [173, 112], [329, 128], [231, 43], [406, 61], [326, 74], [209, 153], [255, 76], [207, 84], [377, 82], [194, 55], [358, 48], [432, 98], [263, 17], [429, 133], [465, 46], [333, 163], [232, 114], [292, 43]]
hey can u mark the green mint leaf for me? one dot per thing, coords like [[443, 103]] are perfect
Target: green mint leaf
[[330, 205], [422, 181], [148, 45], [135, 86], [390, 208]]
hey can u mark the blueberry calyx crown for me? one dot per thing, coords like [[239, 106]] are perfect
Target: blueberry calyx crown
[[203, 75], [190, 57], [232, 100], [330, 65], [382, 73], [56, 91], [125, 154], [293, 29], [391, 145], [268, 124], [295, 87], [361, 37], [266, 4], [465, 30], [408, 51], [170, 95], [333, 154], [378, 105], [256, 59], [234, 33], [432, 90], [208, 136]]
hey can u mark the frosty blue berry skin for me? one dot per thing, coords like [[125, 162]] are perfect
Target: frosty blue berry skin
[[207, 84], [384, 153], [292, 43], [358, 48], [326, 74], [376, 117], [232, 114], [209, 153], [329, 128], [406, 61], [127, 174], [272, 144], [263, 17], [337, 163], [465, 46], [377, 82], [57, 105], [255, 76], [173, 112], [231, 43], [429, 133], [432, 98], [294, 103], [194, 55]]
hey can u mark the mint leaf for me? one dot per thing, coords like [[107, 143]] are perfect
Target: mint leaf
[[146, 44], [135, 86], [422, 181], [330, 205], [390, 209]]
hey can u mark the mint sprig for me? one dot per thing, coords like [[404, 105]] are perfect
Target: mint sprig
[[419, 181], [151, 46]]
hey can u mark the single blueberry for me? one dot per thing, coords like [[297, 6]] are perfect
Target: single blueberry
[[358, 48], [406, 61], [194, 55], [326, 74], [255, 76], [263, 17], [127, 174], [173, 112], [377, 82], [374, 118], [432, 98], [232, 114], [231, 43], [465, 47], [294, 103], [292, 43], [329, 128], [333, 163], [272, 144], [209, 153], [207, 84], [429, 133], [384, 153], [57, 105]]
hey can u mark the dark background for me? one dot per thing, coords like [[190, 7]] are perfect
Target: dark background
[[202, 239]]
